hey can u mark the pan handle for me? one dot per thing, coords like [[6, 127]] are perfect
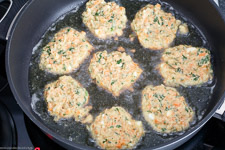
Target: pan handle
[[220, 113], [13, 9]]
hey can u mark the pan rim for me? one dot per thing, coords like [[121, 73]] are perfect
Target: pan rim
[[184, 137]]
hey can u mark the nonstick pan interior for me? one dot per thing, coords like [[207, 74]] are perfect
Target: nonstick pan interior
[[197, 97], [201, 99]]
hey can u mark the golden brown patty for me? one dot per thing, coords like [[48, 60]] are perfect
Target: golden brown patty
[[103, 19], [155, 28], [165, 109], [114, 71], [66, 98], [186, 65], [115, 129], [65, 52]]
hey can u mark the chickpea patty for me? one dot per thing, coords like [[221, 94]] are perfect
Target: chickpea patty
[[114, 71], [186, 65], [103, 19], [66, 98], [115, 129], [155, 28], [65, 52], [165, 109]]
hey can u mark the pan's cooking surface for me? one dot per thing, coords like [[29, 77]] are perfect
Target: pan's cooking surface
[[197, 97]]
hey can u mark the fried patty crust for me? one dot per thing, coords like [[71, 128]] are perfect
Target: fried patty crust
[[114, 71], [186, 65], [103, 19], [155, 28], [66, 98], [165, 109], [114, 128], [66, 51]]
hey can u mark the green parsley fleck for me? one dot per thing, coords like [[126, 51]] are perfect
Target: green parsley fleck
[[195, 77], [112, 16], [186, 109], [160, 97], [71, 104], [77, 91], [122, 65], [71, 49], [113, 82], [104, 141], [78, 104], [166, 109], [162, 20], [204, 60], [199, 51], [48, 50], [119, 61], [184, 57], [179, 70], [100, 57], [96, 14], [167, 53], [64, 67], [110, 20], [112, 28], [155, 19], [60, 52], [163, 129]]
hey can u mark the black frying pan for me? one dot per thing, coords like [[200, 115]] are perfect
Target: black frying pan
[[38, 15]]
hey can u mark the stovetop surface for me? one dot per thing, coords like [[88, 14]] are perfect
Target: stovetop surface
[[28, 135]]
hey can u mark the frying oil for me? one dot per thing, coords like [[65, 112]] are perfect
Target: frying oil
[[196, 97]]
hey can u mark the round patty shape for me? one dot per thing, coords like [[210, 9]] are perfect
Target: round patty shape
[[65, 52], [186, 65], [114, 71], [115, 129], [155, 28], [165, 109], [103, 19], [66, 98]]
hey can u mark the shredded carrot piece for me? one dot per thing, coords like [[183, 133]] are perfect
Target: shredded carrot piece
[[202, 54]]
